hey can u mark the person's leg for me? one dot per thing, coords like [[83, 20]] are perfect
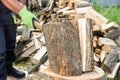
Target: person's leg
[[3, 73], [7, 44], [10, 37]]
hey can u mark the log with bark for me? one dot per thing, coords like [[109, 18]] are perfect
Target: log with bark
[[113, 34], [62, 42], [110, 61]]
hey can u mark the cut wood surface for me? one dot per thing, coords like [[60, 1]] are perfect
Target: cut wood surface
[[25, 34], [69, 12], [27, 46], [96, 58], [81, 3], [114, 72], [20, 30], [96, 28], [97, 17], [110, 26], [62, 42], [102, 41], [18, 38], [47, 63], [62, 3], [102, 56], [100, 16], [83, 10], [42, 39], [95, 41], [76, 17], [36, 41], [86, 44], [40, 53], [97, 51], [108, 48], [63, 9], [96, 74], [29, 51]]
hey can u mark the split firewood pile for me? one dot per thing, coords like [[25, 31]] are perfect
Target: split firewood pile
[[105, 41]]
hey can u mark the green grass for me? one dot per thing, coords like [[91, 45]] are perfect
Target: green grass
[[112, 13]]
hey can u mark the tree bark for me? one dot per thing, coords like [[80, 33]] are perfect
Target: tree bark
[[115, 33], [111, 60], [63, 46]]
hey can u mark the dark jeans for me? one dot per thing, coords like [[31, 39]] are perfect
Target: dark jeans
[[7, 40]]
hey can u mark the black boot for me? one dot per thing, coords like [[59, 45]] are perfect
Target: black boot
[[13, 72]]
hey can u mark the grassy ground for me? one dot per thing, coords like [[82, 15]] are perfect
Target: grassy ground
[[112, 13]]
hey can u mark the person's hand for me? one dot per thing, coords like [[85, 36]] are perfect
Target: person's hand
[[28, 18]]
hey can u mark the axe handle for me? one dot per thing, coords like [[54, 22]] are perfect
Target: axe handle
[[38, 25]]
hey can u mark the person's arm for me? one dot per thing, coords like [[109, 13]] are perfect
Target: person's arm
[[27, 17], [23, 1], [13, 5]]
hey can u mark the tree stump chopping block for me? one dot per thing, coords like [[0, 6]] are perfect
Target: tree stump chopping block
[[62, 42], [96, 74]]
